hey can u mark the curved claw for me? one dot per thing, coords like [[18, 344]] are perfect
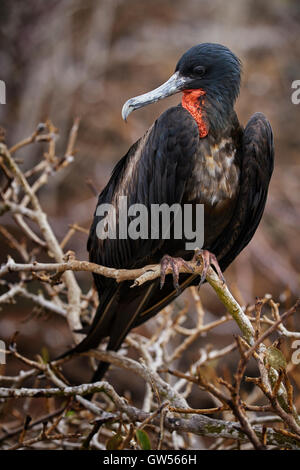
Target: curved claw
[[174, 264], [208, 259]]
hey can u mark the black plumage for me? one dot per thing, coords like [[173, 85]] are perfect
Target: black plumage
[[196, 152]]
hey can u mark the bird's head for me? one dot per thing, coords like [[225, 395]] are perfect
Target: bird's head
[[212, 68]]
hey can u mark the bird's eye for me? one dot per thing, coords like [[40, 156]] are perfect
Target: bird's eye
[[199, 70]]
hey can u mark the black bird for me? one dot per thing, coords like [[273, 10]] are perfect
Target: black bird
[[196, 153]]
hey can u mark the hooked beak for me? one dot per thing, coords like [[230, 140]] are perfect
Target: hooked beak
[[175, 84]]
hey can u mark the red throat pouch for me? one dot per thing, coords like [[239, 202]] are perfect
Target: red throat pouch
[[190, 101]]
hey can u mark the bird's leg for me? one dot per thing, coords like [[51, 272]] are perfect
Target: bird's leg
[[208, 259], [174, 264]]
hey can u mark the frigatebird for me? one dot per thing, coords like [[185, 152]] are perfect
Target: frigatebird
[[195, 153]]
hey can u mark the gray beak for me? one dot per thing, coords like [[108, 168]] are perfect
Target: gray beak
[[175, 84]]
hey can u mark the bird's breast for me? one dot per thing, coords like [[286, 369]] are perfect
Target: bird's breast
[[215, 175], [214, 182]]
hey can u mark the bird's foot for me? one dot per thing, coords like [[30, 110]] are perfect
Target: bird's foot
[[208, 259], [173, 264]]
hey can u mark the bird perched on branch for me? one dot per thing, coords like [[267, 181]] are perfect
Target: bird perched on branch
[[194, 153]]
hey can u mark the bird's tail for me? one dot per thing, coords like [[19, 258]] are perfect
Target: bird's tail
[[100, 372], [99, 329], [120, 328], [123, 309], [129, 314]]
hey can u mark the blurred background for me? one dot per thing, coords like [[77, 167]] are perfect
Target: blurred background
[[69, 58]]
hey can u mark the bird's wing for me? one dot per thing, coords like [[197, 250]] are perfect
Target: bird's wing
[[257, 163], [154, 171]]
